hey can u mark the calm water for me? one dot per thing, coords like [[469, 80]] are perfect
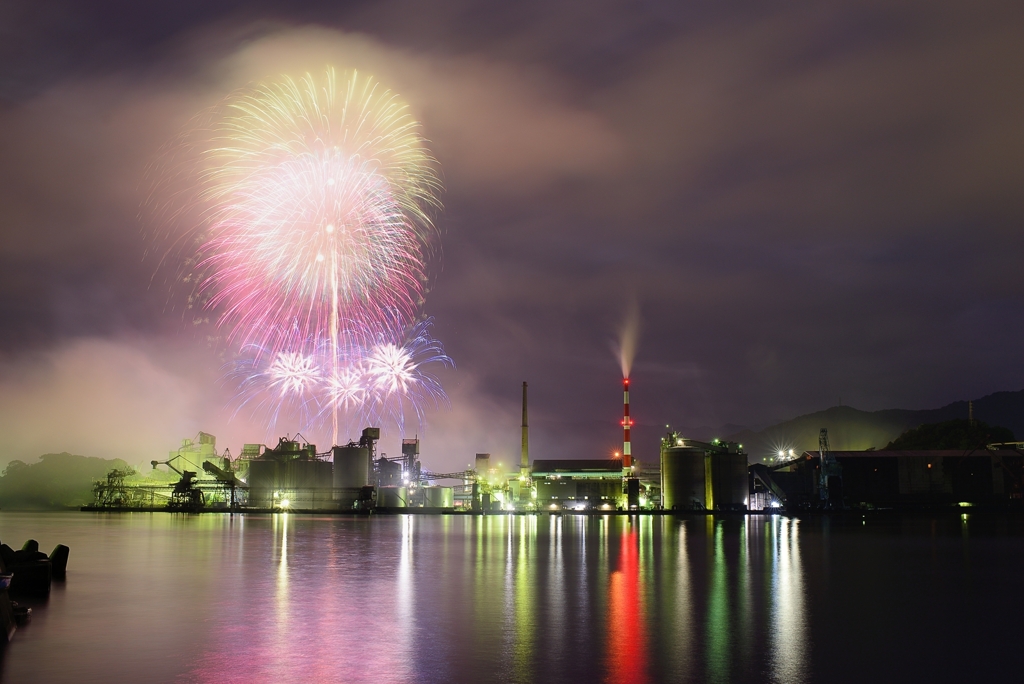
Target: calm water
[[287, 598]]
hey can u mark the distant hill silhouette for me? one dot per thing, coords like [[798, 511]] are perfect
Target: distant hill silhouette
[[55, 481], [851, 429], [959, 433]]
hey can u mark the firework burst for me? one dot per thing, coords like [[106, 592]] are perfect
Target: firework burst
[[293, 373], [384, 383], [319, 199], [312, 242]]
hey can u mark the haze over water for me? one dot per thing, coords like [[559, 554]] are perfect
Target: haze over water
[[215, 598]]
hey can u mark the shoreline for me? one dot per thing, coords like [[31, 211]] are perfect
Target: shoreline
[[851, 513]]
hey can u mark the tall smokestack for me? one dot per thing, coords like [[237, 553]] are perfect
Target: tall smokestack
[[627, 458], [524, 462]]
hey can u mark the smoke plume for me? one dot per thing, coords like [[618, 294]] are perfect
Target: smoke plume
[[629, 336]]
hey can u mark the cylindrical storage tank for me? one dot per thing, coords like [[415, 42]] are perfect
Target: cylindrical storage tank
[[350, 466], [438, 497], [311, 484], [262, 481], [263, 474], [682, 478], [392, 497], [730, 481]]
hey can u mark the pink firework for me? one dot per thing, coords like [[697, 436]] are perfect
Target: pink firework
[[313, 234]]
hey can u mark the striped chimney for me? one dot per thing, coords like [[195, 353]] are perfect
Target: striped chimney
[[627, 458]]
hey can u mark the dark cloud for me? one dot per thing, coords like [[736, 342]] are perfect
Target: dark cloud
[[808, 203]]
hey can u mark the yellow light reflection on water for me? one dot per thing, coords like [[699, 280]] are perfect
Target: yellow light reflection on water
[[278, 650], [718, 633], [788, 618], [556, 584], [682, 637], [525, 628]]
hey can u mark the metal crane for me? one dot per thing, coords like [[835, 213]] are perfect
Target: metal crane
[[226, 477], [830, 478], [185, 495]]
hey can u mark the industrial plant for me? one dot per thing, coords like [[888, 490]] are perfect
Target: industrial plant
[[687, 476]]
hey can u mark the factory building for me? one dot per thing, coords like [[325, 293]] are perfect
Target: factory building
[[697, 476], [906, 479], [578, 484], [294, 476], [193, 452], [291, 476]]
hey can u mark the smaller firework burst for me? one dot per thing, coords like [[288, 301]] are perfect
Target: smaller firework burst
[[293, 373], [380, 384]]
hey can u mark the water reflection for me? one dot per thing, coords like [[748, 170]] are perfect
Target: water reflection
[[627, 640], [789, 637], [682, 624], [719, 604], [546, 598], [556, 596], [405, 616], [275, 645]]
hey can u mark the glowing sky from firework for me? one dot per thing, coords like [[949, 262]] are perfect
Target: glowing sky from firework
[[746, 166]]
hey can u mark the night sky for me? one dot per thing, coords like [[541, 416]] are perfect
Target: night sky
[[809, 204]]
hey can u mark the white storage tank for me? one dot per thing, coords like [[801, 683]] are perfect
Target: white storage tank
[[438, 497], [392, 497]]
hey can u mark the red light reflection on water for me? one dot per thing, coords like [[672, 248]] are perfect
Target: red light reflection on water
[[627, 639]]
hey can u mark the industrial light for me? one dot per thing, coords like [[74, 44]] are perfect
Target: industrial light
[[285, 503], [781, 453]]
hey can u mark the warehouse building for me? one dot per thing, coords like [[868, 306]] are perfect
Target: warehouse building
[[909, 478], [579, 484]]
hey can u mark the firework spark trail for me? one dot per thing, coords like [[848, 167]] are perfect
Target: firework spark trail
[[315, 235]]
